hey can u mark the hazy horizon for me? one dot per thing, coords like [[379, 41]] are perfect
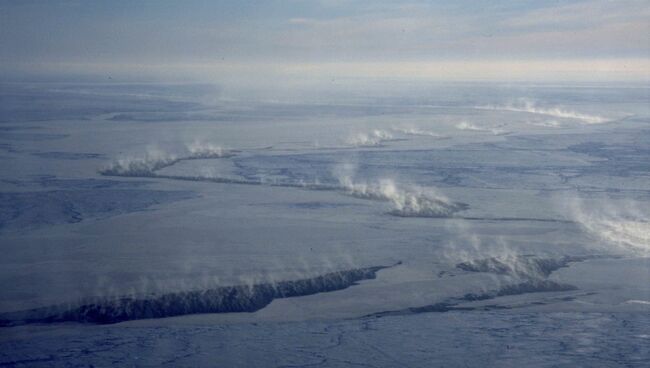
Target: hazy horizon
[[286, 41]]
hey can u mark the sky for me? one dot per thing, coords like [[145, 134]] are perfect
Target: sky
[[325, 39]]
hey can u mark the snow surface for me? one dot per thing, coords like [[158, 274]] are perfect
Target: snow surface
[[512, 223]]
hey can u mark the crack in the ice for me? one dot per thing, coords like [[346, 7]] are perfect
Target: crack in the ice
[[228, 299]]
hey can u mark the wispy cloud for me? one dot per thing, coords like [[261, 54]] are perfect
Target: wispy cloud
[[584, 14], [445, 40]]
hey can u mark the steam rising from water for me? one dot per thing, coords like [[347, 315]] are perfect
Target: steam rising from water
[[523, 267], [418, 132], [625, 225], [471, 127], [225, 299], [525, 105], [546, 123], [463, 125], [465, 246], [155, 159], [375, 138], [514, 271], [407, 201], [199, 149]]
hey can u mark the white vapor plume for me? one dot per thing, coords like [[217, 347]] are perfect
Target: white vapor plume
[[464, 125], [145, 165], [526, 105], [624, 225], [407, 201], [464, 244], [545, 123], [375, 138], [198, 149], [155, 159], [417, 131], [498, 257]]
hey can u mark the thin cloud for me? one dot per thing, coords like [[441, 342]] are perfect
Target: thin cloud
[[416, 38]]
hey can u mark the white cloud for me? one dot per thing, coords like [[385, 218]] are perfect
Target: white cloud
[[582, 14]]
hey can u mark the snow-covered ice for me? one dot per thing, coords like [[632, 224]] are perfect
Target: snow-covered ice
[[490, 229]]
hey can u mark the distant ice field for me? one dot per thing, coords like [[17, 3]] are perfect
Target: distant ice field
[[347, 222]]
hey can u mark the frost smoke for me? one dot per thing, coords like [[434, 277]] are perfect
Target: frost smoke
[[407, 201], [375, 138], [418, 132], [528, 106], [198, 150], [464, 125], [624, 225], [156, 159], [226, 299], [520, 266], [147, 165]]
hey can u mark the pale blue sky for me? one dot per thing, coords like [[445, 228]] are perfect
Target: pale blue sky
[[296, 36]]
